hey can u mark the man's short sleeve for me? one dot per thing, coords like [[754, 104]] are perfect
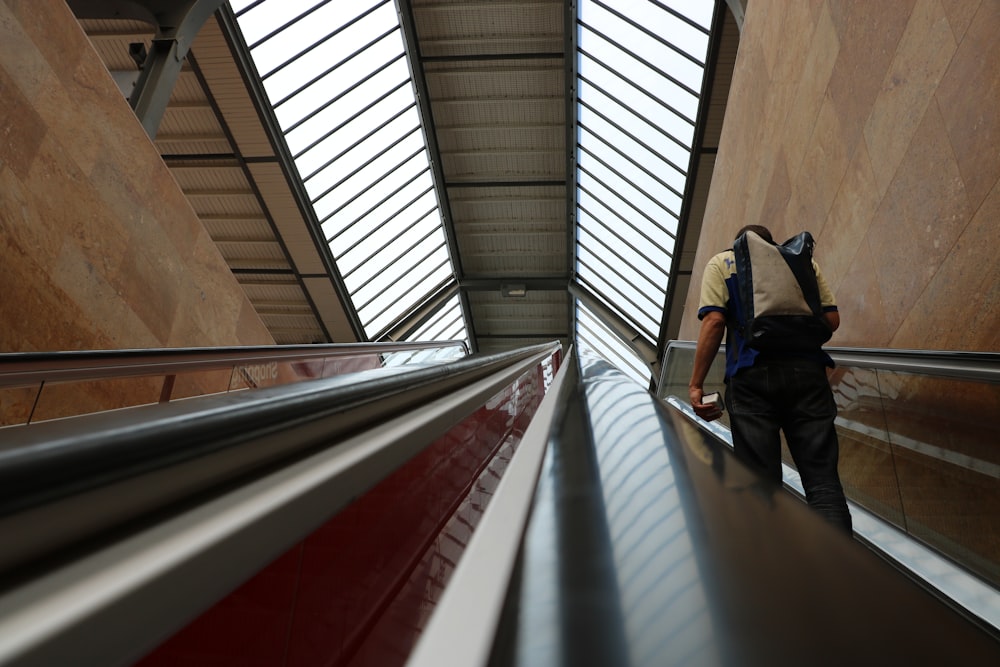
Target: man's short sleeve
[[827, 301], [714, 293]]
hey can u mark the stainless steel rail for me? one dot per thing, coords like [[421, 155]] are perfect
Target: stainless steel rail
[[977, 366], [103, 470], [649, 544], [481, 578], [28, 368], [116, 602]]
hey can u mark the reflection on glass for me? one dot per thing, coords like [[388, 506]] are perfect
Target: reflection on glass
[[939, 457], [73, 394], [422, 357], [918, 451], [594, 337], [447, 324], [866, 458]]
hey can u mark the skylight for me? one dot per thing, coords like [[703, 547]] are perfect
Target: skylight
[[640, 71], [337, 77]]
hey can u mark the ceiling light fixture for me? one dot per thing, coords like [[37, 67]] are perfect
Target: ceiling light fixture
[[514, 290]]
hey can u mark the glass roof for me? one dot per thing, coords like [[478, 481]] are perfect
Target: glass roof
[[337, 77], [640, 70]]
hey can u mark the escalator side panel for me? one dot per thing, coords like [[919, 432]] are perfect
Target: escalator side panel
[[359, 589]]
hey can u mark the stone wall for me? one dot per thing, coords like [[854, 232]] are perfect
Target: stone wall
[[873, 125], [101, 250]]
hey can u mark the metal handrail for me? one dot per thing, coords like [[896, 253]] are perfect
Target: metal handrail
[[481, 577], [649, 543], [103, 469], [954, 364], [28, 368], [115, 602]]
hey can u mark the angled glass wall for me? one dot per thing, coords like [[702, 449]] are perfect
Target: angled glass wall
[[337, 77], [594, 337], [640, 66], [447, 324]]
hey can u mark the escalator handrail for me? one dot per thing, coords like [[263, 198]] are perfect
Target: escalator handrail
[[954, 364], [119, 599], [708, 562], [160, 454], [942, 575], [481, 578], [29, 368]]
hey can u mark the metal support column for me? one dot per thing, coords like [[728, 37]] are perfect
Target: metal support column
[[177, 26]]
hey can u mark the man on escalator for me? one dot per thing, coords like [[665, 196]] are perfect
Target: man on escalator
[[780, 389]]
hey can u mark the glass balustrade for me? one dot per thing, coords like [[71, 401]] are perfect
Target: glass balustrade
[[922, 452], [40, 387]]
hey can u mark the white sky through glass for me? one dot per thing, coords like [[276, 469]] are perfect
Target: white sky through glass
[[640, 70], [337, 77], [340, 85]]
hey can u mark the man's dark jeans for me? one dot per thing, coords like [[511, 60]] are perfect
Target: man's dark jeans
[[794, 396]]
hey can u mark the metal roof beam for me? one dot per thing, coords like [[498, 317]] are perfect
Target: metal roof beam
[[176, 30], [421, 315], [530, 283], [572, 142], [670, 323], [410, 45]]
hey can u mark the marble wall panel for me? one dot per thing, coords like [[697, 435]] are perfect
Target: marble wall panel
[[101, 249], [849, 219], [21, 128], [961, 302], [101, 246], [960, 15], [869, 34], [817, 180], [811, 90], [889, 146], [920, 218], [921, 57], [863, 311], [778, 190], [968, 97]]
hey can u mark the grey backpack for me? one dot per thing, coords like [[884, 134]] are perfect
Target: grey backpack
[[781, 309]]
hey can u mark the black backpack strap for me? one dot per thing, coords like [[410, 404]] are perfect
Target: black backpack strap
[[744, 281], [797, 253]]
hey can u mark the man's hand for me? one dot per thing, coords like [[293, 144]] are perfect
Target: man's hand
[[713, 326], [703, 410]]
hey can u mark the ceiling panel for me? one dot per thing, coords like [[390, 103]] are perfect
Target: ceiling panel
[[495, 76]]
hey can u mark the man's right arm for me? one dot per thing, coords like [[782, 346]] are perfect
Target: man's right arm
[[713, 328], [827, 301]]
